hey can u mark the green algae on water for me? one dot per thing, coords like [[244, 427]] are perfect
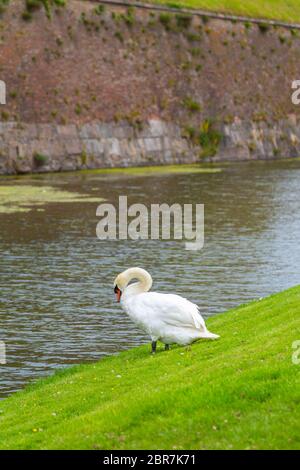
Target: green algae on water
[[23, 198], [155, 170]]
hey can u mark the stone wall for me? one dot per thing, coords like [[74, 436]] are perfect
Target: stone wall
[[54, 147], [243, 140], [121, 87]]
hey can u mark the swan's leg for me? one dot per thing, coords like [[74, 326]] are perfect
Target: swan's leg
[[167, 347], [153, 347]]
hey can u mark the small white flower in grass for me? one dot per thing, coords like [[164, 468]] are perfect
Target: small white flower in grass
[[119, 376]]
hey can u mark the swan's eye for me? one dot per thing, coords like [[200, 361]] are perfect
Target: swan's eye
[[118, 293]]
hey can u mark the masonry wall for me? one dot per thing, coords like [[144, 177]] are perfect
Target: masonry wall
[[123, 87], [57, 147]]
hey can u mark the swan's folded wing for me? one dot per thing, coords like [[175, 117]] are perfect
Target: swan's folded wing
[[173, 310]]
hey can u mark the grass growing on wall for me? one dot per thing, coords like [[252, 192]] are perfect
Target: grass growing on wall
[[241, 391], [273, 9]]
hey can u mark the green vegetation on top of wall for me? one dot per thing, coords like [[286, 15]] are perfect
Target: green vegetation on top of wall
[[280, 10], [239, 392], [30, 6], [271, 9]]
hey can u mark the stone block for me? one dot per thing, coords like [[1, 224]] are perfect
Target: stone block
[[94, 147], [68, 131], [6, 127], [167, 144], [31, 131], [153, 144], [96, 130], [22, 165], [73, 146], [157, 128], [112, 147], [13, 150], [47, 131], [44, 147], [90, 130], [123, 131], [172, 130]]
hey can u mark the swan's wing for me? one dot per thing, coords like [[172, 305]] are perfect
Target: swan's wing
[[172, 310]]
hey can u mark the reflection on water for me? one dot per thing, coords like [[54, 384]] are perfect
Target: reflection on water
[[56, 300]]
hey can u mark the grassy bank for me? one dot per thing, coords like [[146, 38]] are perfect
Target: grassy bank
[[241, 391], [271, 9]]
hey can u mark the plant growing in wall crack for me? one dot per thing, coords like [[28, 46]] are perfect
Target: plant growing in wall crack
[[33, 5], [191, 105], [40, 159], [209, 138]]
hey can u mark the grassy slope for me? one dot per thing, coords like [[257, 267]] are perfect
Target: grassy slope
[[239, 392], [273, 9]]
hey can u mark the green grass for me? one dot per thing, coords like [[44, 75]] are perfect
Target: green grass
[[241, 391], [282, 10]]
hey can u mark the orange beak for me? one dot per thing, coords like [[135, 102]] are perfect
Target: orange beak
[[118, 293]]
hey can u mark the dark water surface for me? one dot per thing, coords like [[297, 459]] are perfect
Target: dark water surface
[[56, 299]]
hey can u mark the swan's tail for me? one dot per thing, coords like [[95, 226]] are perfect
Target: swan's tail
[[208, 335]]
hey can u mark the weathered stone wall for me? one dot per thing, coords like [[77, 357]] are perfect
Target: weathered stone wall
[[88, 89], [243, 140], [54, 147]]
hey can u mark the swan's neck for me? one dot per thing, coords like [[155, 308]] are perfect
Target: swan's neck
[[143, 285]]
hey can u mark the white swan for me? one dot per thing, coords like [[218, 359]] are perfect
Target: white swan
[[168, 318]]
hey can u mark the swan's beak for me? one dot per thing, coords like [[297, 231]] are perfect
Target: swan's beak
[[118, 293]]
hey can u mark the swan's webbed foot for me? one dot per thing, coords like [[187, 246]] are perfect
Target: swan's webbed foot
[[153, 347], [167, 347]]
